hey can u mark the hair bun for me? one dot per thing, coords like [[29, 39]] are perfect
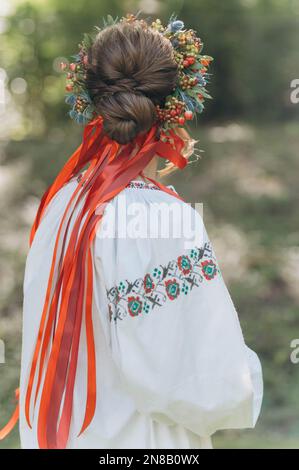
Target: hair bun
[[131, 69], [125, 114]]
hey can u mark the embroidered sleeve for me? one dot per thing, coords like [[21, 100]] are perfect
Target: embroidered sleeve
[[177, 341], [164, 283]]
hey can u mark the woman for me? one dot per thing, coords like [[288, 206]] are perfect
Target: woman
[[130, 337]]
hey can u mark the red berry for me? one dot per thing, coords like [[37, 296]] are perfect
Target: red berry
[[181, 120], [205, 62], [63, 65], [73, 67], [186, 63], [69, 87], [188, 115]]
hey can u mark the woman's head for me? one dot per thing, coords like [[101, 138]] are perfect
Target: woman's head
[[131, 69]]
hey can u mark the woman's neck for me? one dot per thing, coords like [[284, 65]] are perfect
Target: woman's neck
[[150, 170]]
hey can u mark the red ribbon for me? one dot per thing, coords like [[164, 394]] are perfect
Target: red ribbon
[[13, 420], [68, 297]]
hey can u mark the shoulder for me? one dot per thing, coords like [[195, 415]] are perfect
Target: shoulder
[[143, 210], [152, 197], [145, 230]]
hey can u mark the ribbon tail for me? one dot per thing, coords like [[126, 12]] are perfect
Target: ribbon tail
[[91, 364], [13, 420]]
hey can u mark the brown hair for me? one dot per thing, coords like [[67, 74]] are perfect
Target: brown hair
[[131, 69]]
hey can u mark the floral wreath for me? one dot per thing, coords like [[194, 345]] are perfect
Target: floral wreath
[[187, 98]]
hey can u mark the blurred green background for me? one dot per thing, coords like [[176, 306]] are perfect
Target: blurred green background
[[247, 177]]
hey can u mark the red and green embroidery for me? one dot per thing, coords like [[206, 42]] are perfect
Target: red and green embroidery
[[148, 284], [135, 184], [209, 269], [172, 289], [184, 264], [134, 306], [163, 284]]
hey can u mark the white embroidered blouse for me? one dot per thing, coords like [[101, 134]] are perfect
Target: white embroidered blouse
[[172, 365]]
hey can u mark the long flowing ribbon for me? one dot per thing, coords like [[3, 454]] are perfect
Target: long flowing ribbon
[[69, 293], [13, 420]]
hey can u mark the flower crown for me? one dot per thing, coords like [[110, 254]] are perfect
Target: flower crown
[[187, 98]]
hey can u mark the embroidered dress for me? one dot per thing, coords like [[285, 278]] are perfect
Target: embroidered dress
[[172, 366]]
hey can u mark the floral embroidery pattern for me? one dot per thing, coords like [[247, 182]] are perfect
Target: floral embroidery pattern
[[172, 289], [148, 283], [134, 306], [134, 184], [141, 184], [184, 264], [209, 269], [163, 284]]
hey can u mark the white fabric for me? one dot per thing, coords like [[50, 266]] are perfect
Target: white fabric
[[168, 377]]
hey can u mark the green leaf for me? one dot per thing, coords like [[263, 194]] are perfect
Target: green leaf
[[197, 66], [109, 21], [87, 40], [205, 94]]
